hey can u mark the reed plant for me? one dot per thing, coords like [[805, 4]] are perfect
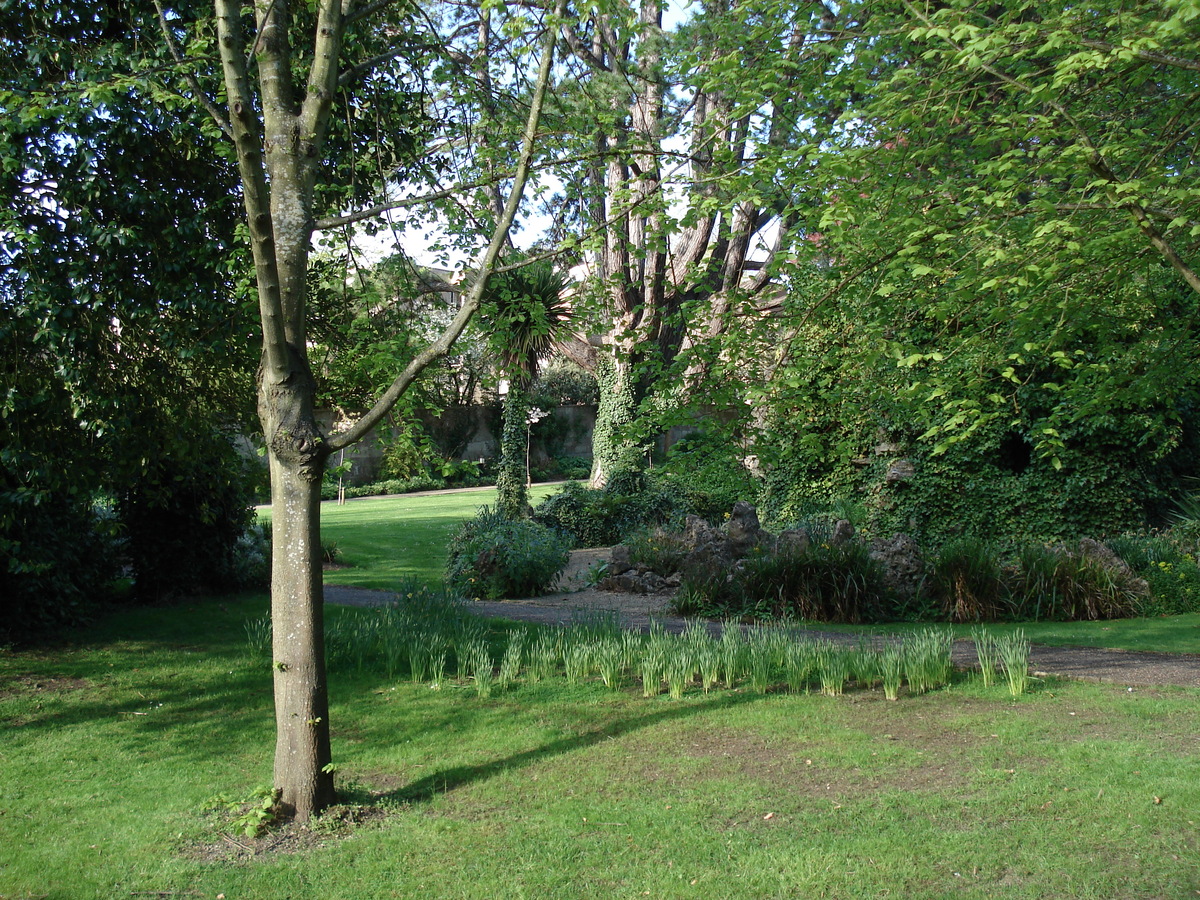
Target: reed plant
[[891, 668], [708, 658], [477, 659], [833, 668], [760, 660], [799, 665], [609, 657], [513, 660], [968, 579], [258, 636], [986, 653], [544, 656], [865, 664], [577, 659], [927, 660], [437, 668], [1013, 651], [733, 654], [652, 666], [679, 668]]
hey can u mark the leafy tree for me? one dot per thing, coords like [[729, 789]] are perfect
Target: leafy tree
[[1002, 270], [121, 314], [296, 160], [693, 180]]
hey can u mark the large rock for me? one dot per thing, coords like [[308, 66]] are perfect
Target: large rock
[[743, 531], [903, 565], [619, 561]]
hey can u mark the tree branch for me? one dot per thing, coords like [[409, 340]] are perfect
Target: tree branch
[[1159, 59], [442, 345], [255, 193], [177, 55]]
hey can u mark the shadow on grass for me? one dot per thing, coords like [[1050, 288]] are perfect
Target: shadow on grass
[[446, 780]]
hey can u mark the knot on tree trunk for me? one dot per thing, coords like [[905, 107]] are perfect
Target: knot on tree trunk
[[301, 446]]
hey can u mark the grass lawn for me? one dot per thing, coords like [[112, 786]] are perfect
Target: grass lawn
[[109, 749], [385, 540], [1164, 634]]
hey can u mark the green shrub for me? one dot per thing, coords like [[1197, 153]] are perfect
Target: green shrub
[[184, 514], [600, 518], [1167, 561], [1057, 584], [58, 560], [491, 557], [967, 578], [708, 477], [823, 582], [576, 468]]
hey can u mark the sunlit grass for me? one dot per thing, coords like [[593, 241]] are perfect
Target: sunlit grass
[[385, 540], [110, 748]]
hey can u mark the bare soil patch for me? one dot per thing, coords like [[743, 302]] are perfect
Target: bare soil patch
[[336, 823], [41, 684]]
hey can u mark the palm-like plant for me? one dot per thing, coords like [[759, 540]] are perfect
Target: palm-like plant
[[524, 312]]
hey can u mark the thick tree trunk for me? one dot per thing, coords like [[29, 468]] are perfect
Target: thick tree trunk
[[611, 449], [512, 495], [297, 455]]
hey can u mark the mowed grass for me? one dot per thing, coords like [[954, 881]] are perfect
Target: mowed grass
[[384, 540], [110, 747], [1161, 634]]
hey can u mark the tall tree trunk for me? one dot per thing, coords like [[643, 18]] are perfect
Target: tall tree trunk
[[611, 449], [302, 749], [278, 131], [297, 453], [512, 494]]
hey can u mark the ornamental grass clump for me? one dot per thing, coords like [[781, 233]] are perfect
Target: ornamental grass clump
[[1088, 583], [829, 581], [577, 659], [437, 668], [513, 659], [477, 659], [258, 636], [891, 669], [865, 664], [927, 660], [652, 667], [833, 668], [761, 655], [708, 659], [799, 665], [733, 654], [609, 658], [967, 577], [986, 653], [1013, 652], [679, 668], [544, 656]]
